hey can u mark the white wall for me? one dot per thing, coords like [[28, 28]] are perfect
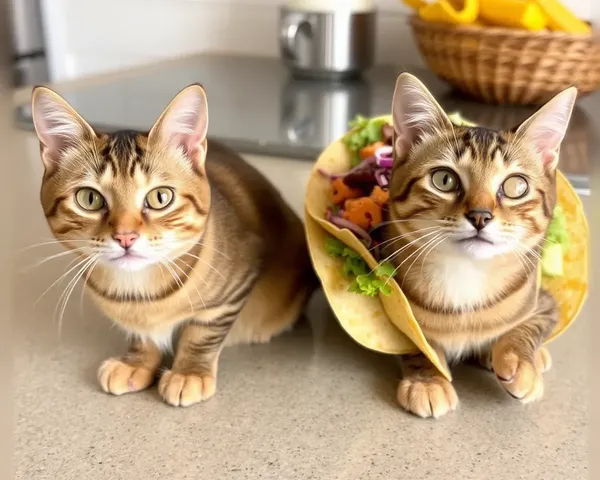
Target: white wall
[[84, 37]]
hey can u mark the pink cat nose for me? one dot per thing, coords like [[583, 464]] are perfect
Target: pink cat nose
[[126, 240]]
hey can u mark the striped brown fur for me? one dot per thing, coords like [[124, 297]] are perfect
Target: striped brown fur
[[472, 288], [226, 260]]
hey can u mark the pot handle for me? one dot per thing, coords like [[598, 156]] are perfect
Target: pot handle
[[289, 34]]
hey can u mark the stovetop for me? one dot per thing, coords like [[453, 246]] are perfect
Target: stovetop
[[257, 107]]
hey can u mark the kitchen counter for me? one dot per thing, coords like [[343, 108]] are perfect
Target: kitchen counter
[[310, 405]]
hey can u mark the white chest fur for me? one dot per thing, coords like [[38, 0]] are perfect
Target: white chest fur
[[457, 281]]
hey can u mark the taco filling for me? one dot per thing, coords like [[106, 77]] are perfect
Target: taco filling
[[359, 201]]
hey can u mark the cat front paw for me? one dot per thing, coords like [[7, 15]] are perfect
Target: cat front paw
[[118, 377], [521, 374], [183, 390], [427, 396]]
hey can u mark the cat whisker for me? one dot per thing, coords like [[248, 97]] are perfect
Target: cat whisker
[[162, 272], [391, 222], [525, 255], [201, 278], [52, 257], [214, 249], [431, 250], [188, 277], [205, 263], [69, 290], [54, 242], [85, 280], [59, 279], [400, 250], [421, 249], [399, 237], [172, 272], [528, 270]]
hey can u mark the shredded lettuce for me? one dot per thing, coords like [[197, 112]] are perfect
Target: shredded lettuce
[[364, 281], [557, 242], [364, 131]]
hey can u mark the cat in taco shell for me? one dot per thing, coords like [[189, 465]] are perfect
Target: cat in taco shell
[[439, 241]]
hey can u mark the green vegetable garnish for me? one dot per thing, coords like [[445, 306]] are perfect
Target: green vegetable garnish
[[364, 282], [557, 242], [364, 131]]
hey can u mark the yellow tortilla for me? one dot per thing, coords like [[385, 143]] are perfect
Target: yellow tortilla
[[386, 323]]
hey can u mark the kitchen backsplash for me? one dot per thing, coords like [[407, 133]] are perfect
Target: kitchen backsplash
[[86, 38]]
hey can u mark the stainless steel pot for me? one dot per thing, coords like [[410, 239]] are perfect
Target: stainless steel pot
[[336, 44], [314, 113]]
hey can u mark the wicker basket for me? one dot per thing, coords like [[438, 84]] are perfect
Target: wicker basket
[[509, 66]]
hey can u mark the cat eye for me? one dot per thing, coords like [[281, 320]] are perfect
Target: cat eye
[[444, 180], [159, 198], [89, 199], [515, 187]]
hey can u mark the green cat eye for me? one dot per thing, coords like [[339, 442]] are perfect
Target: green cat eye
[[159, 198], [444, 180], [89, 199], [515, 187]]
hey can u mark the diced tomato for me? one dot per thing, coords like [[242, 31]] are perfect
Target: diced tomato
[[380, 196], [340, 192], [364, 212]]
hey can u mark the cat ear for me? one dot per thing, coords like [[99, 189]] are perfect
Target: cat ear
[[544, 130], [184, 124], [415, 113], [57, 125]]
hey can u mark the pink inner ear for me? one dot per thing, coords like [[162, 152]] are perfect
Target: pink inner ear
[[547, 144], [191, 145], [549, 157]]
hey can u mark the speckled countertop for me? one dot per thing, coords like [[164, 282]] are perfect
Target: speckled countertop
[[310, 405]]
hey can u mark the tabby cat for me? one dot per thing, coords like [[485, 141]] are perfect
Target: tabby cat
[[469, 211], [179, 240]]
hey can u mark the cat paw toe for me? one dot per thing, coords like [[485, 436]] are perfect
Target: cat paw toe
[[117, 377], [520, 377], [183, 390], [427, 397]]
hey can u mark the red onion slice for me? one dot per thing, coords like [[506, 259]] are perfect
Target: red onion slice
[[381, 178], [364, 165], [385, 156], [343, 223]]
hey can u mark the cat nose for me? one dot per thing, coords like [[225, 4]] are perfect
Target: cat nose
[[479, 218], [126, 240]]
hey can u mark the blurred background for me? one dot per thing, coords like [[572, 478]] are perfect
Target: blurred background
[[66, 39]]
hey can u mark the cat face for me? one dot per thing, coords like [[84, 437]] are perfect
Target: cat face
[[473, 191], [125, 200]]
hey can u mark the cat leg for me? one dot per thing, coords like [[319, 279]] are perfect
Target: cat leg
[[517, 356], [543, 360], [193, 377], [423, 390], [133, 372]]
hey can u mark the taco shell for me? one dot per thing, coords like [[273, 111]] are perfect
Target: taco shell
[[386, 324]]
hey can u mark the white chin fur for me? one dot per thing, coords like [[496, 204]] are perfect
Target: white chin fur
[[131, 264], [480, 250]]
